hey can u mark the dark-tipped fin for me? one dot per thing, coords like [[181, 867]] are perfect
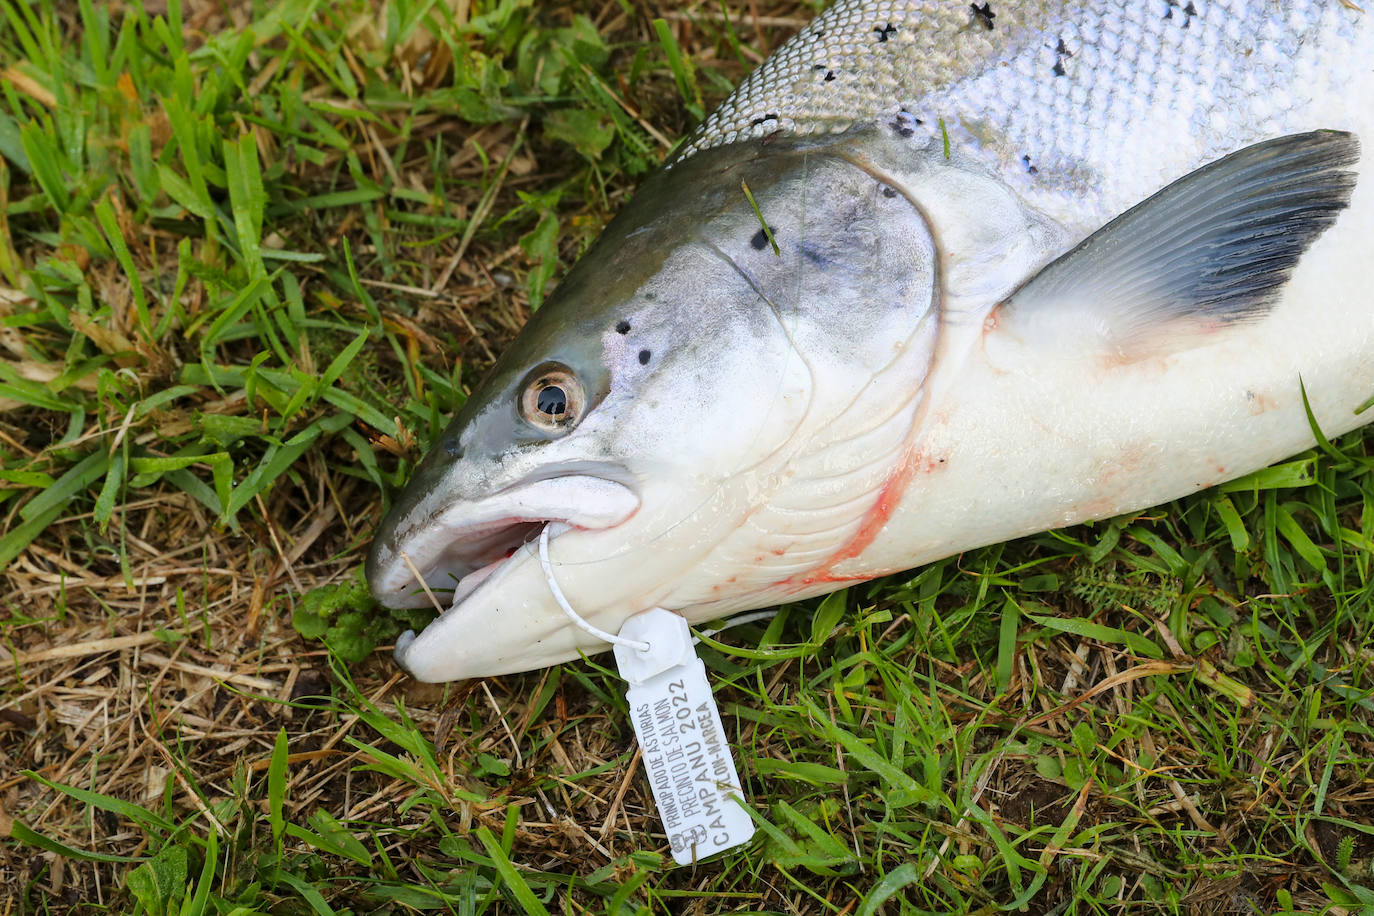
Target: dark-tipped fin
[[1212, 248]]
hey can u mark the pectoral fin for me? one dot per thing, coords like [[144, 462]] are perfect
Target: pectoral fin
[[1212, 248]]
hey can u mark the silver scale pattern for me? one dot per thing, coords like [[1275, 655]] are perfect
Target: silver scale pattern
[[1057, 94]]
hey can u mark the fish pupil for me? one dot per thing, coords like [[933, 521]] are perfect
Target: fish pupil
[[553, 401]]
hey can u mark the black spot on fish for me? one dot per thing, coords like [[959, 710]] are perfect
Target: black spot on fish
[[818, 255], [760, 239], [650, 297], [622, 326], [1189, 11], [757, 121], [829, 75], [819, 33], [1031, 169], [983, 15], [818, 66], [644, 357], [1061, 54], [905, 123], [889, 191], [886, 32]]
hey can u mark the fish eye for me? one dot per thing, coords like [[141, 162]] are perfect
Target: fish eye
[[552, 398]]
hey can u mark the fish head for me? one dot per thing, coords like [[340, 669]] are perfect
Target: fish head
[[645, 412]]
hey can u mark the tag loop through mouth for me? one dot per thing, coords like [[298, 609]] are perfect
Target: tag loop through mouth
[[558, 596]]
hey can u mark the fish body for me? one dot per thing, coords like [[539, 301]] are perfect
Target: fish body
[[1036, 264]]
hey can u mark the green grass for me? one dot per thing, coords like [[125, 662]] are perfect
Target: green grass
[[250, 258]]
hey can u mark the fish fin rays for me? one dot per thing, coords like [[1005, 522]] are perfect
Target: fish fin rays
[[1211, 249]]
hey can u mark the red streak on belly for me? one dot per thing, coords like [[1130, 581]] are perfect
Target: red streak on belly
[[889, 497]]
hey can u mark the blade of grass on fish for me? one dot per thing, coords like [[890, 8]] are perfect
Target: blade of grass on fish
[[767, 232]]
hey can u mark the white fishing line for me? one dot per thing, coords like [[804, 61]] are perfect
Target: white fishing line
[[576, 618]]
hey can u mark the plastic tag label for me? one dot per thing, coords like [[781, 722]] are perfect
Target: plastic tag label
[[686, 754]]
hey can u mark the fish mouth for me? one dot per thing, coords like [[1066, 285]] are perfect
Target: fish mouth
[[449, 552]]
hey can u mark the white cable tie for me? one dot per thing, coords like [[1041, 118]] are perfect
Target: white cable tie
[[567, 608]]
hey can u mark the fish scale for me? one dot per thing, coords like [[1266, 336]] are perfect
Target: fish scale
[[1132, 72]]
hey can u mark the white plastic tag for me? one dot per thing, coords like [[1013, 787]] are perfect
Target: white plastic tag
[[686, 756]]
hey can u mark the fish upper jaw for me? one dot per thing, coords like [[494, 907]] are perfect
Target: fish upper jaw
[[459, 544]]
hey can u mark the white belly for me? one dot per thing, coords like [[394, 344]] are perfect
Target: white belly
[[1019, 442]]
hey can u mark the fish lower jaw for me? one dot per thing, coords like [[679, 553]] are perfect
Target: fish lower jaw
[[473, 580], [506, 618]]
